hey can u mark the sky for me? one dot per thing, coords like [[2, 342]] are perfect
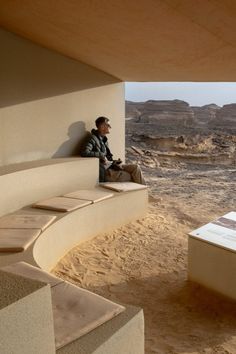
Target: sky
[[195, 93]]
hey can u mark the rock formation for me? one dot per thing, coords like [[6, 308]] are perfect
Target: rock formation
[[169, 115], [225, 119], [177, 130], [162, 113], [203, 115], [133, 109]]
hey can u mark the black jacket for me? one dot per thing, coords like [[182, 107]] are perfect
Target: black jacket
[[97, 146]]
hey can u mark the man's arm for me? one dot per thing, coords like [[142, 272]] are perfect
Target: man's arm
[[89, 150]]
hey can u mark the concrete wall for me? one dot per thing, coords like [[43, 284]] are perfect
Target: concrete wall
[[48, 102], [48, 179]]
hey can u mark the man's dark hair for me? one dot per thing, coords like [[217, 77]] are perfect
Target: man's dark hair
[[101, 120]]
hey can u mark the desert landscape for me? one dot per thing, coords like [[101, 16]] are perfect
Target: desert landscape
[[188, 157]]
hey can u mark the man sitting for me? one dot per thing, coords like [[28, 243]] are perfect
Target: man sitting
[[109, 170]]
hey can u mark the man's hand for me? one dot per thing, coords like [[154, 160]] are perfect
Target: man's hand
[[103, 159], [117, 162], [107, 163], [116, 165]]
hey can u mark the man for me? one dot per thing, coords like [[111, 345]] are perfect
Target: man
[[109, 170]]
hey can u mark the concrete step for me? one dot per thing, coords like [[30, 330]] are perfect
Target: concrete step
[[26, 183]]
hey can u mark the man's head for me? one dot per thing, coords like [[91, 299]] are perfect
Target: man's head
[[103, 125]]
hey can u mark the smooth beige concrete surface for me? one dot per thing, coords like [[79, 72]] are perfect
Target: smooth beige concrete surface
[[145, 40], [27, 165], [212, 266], [85, 223], [24, 187], [26, 324], [50, 102], [25, 64], [124, 334], [13, 288]]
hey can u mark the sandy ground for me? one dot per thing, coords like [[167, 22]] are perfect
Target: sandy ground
[[144, 263]]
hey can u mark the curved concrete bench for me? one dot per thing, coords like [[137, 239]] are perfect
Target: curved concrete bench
[[78, 226], [71, 228]]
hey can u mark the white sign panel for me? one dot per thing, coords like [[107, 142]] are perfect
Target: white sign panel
[[220, 232]]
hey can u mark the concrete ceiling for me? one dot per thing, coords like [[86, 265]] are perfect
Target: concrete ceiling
[[134, 40]]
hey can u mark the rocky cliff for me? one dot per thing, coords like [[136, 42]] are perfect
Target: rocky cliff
[[177, 128], [225, 119], [161, 113], [170, 115], [203, 115]]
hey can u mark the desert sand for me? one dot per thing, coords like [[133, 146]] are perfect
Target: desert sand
[[145, 262]]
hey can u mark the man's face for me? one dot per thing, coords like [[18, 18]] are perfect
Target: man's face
[[104, 128]]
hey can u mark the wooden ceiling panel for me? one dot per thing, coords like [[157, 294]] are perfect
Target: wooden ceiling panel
[[135, 40]]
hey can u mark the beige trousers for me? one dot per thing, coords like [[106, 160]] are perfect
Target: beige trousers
[[128, 173]]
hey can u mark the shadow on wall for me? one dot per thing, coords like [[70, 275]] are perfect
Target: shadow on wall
[[77, 137], [30, 72]]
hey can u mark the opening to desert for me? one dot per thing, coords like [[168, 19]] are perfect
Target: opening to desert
[[187, 153]]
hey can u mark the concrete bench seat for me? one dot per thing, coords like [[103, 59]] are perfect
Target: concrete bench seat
[[17, 240], [27, 322], [17, 232], [123, 186], [94, 195], [76, 311], [26, 221], [61, 204]]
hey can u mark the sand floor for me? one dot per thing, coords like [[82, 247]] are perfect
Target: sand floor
[[144, 263]]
